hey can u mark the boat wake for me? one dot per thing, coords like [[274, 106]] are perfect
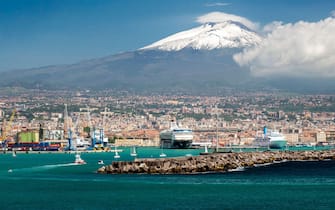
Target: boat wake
[[42, 168]]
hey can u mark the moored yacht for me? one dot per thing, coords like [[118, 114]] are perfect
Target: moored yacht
[[78, 159]]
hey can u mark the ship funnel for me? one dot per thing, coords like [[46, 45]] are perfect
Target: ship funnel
[[265, 130]]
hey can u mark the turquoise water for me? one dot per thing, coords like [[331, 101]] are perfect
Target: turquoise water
[[51, 181]]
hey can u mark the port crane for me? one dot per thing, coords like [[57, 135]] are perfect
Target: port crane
[[67, 129], [97, 138]]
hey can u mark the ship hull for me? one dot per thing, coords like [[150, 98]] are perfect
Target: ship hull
[[277, 144], [170, 144]]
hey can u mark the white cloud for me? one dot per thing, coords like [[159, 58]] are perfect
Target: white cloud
[[302, 49], [272, 26], [217, 4], [218, 17]]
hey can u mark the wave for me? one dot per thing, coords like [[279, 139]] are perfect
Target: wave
[[237, 169], [263, 164]]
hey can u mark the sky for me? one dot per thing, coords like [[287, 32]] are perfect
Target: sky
[[36, 33]]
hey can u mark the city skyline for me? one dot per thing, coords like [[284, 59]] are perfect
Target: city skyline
[[37, 33]]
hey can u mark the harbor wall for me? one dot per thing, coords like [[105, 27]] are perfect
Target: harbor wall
[[217, 162]]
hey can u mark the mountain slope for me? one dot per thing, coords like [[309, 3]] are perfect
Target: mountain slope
[[139, 70], [228, 34]]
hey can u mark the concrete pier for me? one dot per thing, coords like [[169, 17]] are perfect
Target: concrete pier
[[216, 162]]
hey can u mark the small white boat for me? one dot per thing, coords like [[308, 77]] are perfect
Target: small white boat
[[162, 155], [116, 156], [78, 159], [206, 149], [101, 162], [133, 152]]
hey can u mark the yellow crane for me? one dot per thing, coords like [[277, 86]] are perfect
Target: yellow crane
[[7, 126]]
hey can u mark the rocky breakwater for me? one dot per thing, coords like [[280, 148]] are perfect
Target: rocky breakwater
[[216, 162]]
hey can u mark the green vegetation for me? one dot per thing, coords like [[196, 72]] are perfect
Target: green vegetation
[[292, 108], [29, 115], [330, 108], [54, 108], [228, 118]]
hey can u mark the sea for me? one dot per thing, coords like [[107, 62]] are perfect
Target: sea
[[51, 181]]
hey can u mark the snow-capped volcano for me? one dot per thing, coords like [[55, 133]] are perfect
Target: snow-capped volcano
[[227, 34]]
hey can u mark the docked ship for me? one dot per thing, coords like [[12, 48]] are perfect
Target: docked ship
[[176, 137], [277, 140], [271, 139]]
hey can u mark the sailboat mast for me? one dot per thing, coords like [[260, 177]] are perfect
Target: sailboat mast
[[217, 134]]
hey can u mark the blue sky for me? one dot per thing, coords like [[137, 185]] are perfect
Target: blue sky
[[46, 32]]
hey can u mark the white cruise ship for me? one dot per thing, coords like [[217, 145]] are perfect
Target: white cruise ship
[[176, 137], [277, 140], [272, 139]]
